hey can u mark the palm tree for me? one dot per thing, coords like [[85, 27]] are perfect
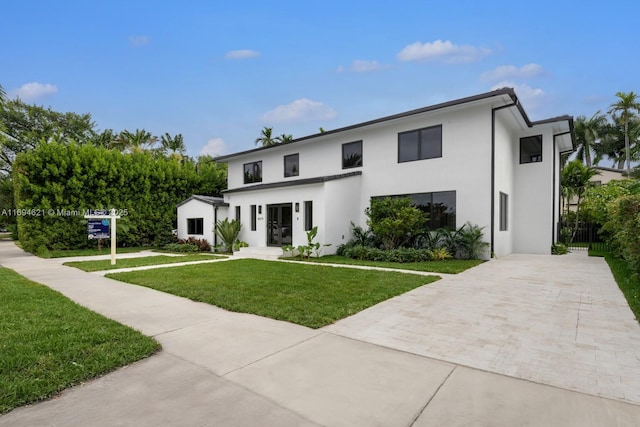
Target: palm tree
[[173, 146], [575, 181], [587, 133], [626, 104], [139, 141], [283, 138], [611, 145], [266, 137], [3, 95]]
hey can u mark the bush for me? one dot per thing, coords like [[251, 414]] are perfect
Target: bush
[[624, 226], [559, 249], [180, 247], [400, 255], [395, 221]]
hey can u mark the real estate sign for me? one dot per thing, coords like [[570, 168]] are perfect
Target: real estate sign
[[98, 229]]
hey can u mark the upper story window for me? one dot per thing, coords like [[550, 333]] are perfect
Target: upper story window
[[252, 172], [531, 149], [420, 144], [352, 155], [292, 165]]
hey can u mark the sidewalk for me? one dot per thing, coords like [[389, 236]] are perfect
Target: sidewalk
[[231, 369]]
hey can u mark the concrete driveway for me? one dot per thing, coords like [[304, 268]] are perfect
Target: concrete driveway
[[556, 320], [219, 368]]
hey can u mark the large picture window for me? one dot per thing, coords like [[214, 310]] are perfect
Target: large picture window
[[531, 149], [292, 165], [195, 226], [252, 172], [352, 155], [440, 206], [420, 144]]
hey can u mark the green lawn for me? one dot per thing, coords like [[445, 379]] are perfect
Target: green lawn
[[88, 252], [49, 343], [309, 295], [451, 266], [138, 262]]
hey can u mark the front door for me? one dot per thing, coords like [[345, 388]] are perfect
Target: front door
[[279, 224]]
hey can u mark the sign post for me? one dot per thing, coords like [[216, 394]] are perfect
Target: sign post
[[100, 229]]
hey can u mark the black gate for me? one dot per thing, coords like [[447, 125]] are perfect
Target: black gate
[[586, 236]]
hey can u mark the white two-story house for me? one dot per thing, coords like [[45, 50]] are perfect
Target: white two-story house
[[478, 159]]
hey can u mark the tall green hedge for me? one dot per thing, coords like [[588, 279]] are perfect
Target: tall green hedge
[[54, 183]]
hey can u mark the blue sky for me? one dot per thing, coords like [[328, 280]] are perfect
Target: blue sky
[[218, 72]]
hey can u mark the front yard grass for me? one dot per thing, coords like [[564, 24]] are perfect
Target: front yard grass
[[628, 283], [88, 252], [309, 295], [449, 266], [138, 262], [49, 343]]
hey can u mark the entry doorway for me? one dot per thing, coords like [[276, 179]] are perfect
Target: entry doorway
[[279, 224]]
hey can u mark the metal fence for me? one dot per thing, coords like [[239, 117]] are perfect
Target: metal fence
[[587, 236]]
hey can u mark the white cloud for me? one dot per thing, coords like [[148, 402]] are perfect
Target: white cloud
[[531, 97], [361, 66], [442, 50], [214, 147], [242, 54], [503, 72], [34, 90], [300, 110], [139, 41]]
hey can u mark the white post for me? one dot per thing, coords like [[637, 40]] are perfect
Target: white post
[[113, 236]]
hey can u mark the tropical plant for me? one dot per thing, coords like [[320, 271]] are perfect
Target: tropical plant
[[283, 138], [228, 232], [311, 247], [173, 146], [575, 181], [587, 132], [470, 243], [266, 138], [135, 142], [625, 106]]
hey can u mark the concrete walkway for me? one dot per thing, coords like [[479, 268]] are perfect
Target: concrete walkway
[[230, 369]]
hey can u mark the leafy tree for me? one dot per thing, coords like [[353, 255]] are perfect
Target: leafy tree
[[395, 221], [27, 126], [625, 106], [575, 181], [597, 200], [587, 133], [212, 176], [266, 137]]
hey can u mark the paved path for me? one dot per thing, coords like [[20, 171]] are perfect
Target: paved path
[[230, 369], [558, 320]]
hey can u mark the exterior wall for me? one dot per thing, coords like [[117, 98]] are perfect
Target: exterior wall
[[533, 207], [506, 159], [198, 209]]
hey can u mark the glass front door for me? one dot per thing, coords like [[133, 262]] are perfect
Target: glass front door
[[279, 224]]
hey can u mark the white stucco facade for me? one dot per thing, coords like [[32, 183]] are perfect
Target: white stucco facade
[[202, 209], [480, 158]]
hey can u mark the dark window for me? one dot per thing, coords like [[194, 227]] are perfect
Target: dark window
[[308, 215], [195, 226], [292, 165], [504, 212], [237, 213], [531, 149], [420, 144], [352, 155], [440, 207], [253, 218], [252, 172]]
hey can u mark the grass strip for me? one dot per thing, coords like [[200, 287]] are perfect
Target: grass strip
[[309, 295], [628, 282], [450, 266], [138, 262], [49, 343]]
